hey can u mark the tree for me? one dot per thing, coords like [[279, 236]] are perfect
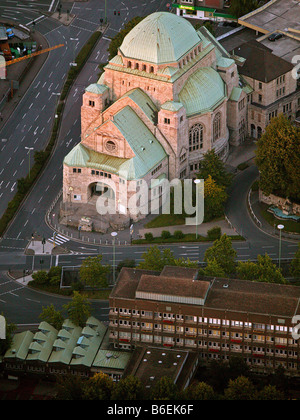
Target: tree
[[78, 309], [263, 271], [40, 277], [201, 391], [70, 388], [212, 165], [98, 388], [164, 389], [240, 389], [129, 388], [52, 316], [213, 269], [223, 253], [7, 343], [155, 259], [295, 264], [214, 199], [240, 8], [270, 393], [278, 159], [93, 273]]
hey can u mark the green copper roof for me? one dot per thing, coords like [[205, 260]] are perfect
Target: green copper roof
[[203, 91], [160, 38], [225, 62], [111, 359], [172, 106], [235, 94], [96, 88], [147, 149], [143, 101], [20, 346]]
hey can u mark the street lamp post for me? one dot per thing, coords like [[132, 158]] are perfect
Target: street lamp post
[[280, 227], [114, 234], [29, 150], [197, 181]]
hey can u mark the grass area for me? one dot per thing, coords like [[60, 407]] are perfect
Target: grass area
[[165, 220], [243, 166], [189, 237], [289, 225]]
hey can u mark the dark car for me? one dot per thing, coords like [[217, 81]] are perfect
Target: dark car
[[275, 36]]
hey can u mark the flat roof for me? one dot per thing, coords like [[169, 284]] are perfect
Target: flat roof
[[277, 15], [223, 294]]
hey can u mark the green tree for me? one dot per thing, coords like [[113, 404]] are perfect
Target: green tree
[[98, 388], [155, 259], [78, 309], [240, 389], [263, 271], [214, 199], [164, 389], [93, 273], [240, 8], [40, 277], [70, 388], [295, 264], [270, 393], [212, 165], [278, 159], [200, 391], [223, 253], [52, 316], [129, 388], [213, 269], [7, 343]]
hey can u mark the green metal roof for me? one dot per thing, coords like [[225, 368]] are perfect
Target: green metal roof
[[111, 359], [143, 101], [96, 88], [160, 38], [147, 149], [236, 94], [225, 62], [203, 91], [20, 346], [172, 106]]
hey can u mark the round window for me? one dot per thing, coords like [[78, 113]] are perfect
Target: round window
[[110, 146]]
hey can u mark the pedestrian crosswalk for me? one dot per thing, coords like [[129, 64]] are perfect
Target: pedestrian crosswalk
[[58, 239]]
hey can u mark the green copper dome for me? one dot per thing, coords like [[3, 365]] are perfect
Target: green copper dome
[[203, 91], [160, 38]]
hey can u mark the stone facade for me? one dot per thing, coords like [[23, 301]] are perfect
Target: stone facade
[[185, 95]]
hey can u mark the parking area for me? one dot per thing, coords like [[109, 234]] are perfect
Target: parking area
[[278, 15]]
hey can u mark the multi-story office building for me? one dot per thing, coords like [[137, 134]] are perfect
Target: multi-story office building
[[217, 318]]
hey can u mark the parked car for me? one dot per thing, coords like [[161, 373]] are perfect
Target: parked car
[[274, 37], [10, 33]]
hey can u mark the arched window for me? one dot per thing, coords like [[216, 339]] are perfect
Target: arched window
[[196, 137], [217, 127]]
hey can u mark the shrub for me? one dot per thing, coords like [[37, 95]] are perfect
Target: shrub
[[178, 234], [165, 234], [149, 236], [214, 233]]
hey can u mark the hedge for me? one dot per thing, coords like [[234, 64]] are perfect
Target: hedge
[[41, 157]]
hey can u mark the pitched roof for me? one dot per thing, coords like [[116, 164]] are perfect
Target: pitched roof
[[261, 64]]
